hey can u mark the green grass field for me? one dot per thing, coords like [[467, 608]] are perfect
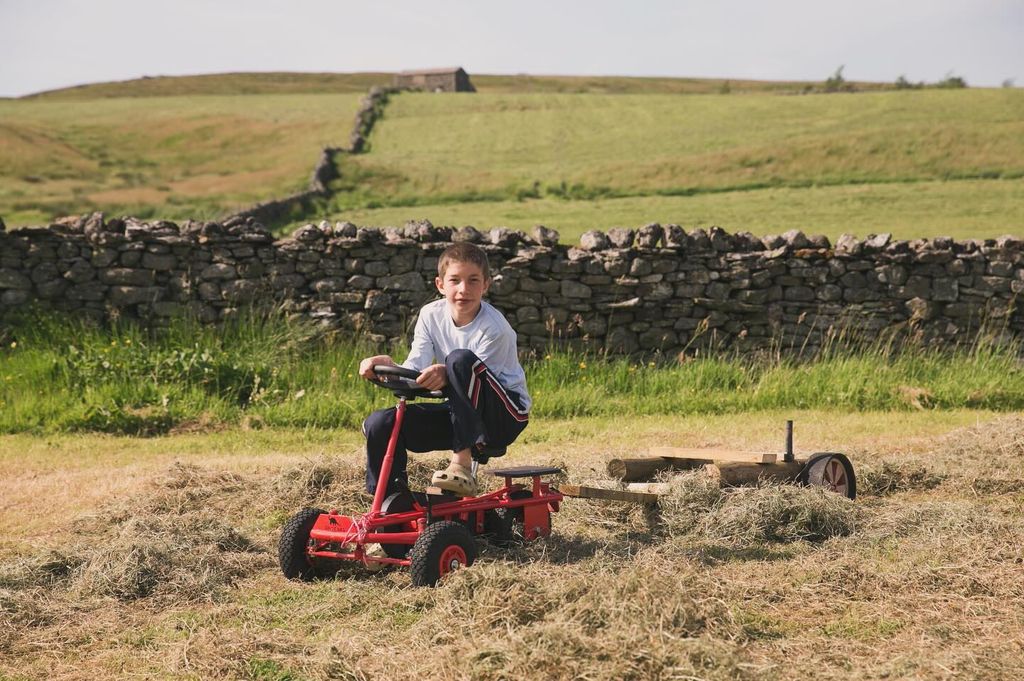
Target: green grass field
[[958, 208], [286, 82], [58, 375], [168, 157], [892, 161], [573, 153]]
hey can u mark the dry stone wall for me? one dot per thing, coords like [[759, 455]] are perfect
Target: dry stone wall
[[652, 289], [371, 107]]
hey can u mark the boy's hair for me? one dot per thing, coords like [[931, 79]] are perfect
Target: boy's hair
[[463, 251]]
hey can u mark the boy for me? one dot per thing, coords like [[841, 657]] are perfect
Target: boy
[[464, 347]]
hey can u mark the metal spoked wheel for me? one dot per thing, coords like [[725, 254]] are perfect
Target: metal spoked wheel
[[833, 471]]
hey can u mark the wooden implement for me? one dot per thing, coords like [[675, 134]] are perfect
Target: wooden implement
[[679, 459]]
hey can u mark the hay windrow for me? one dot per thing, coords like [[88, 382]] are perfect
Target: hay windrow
[[601, 620], [937, 518], [779, 513], [187, 558], [691, 496], [992, 449], [891, 477]]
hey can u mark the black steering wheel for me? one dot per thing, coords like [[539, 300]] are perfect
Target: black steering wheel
[[401, 381]]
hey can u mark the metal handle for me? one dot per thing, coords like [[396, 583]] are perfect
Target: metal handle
[[788, 456]]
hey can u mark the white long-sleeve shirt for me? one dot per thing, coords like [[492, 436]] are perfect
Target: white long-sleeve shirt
[[489, 336]]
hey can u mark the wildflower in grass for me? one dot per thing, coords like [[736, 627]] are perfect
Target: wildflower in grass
[[14, 344], [583, 365], [547, 356]]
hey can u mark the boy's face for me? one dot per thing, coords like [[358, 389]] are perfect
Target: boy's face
[[463, 286]]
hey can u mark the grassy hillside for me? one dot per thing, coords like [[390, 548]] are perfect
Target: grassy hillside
[[223, 84], [528, 150], [600, 145], [333, 83], [500, 148], [172, 157]]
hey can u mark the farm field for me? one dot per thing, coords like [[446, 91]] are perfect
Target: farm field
[[145, 475], [962, 209], [198, 156], [572, 153], [609, 144], [870, 159], [155, 558], [287, 82]]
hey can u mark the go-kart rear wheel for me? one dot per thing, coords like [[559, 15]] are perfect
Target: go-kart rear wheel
[[291, 549], [397, 502], [504, 526], [444, 547], [833, 471]]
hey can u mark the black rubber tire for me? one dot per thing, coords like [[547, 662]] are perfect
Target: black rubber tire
[[818, 472], [504, 526], [397, 502], [437, 541], [291, 549], [499, 526]]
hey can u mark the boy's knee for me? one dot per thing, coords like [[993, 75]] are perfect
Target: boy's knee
[[379, 423], [460, 359]]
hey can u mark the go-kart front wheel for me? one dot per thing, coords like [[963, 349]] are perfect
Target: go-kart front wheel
[[444, 547], [291, 549]]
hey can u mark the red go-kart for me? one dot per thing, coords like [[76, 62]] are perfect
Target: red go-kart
[[432, 533]]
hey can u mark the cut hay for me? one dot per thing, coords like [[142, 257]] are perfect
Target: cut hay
[[190, 558], [891, 477], [992, 450], [601, 620], [779, 513], [690, 497], [936, 518]]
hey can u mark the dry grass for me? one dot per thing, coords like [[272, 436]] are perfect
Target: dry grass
[[176, 577]]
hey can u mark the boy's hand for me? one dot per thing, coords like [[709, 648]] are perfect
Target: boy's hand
[[366, 366], [434, 377]]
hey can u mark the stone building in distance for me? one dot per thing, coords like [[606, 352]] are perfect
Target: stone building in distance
[[454, 79]]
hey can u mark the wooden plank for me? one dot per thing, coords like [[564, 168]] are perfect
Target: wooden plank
[[659, 488], [684, 453], [585, 492]]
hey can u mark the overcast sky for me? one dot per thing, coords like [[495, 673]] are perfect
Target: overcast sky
[[46, 44]]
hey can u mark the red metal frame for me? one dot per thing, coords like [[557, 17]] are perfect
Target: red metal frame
[[339, 537]]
